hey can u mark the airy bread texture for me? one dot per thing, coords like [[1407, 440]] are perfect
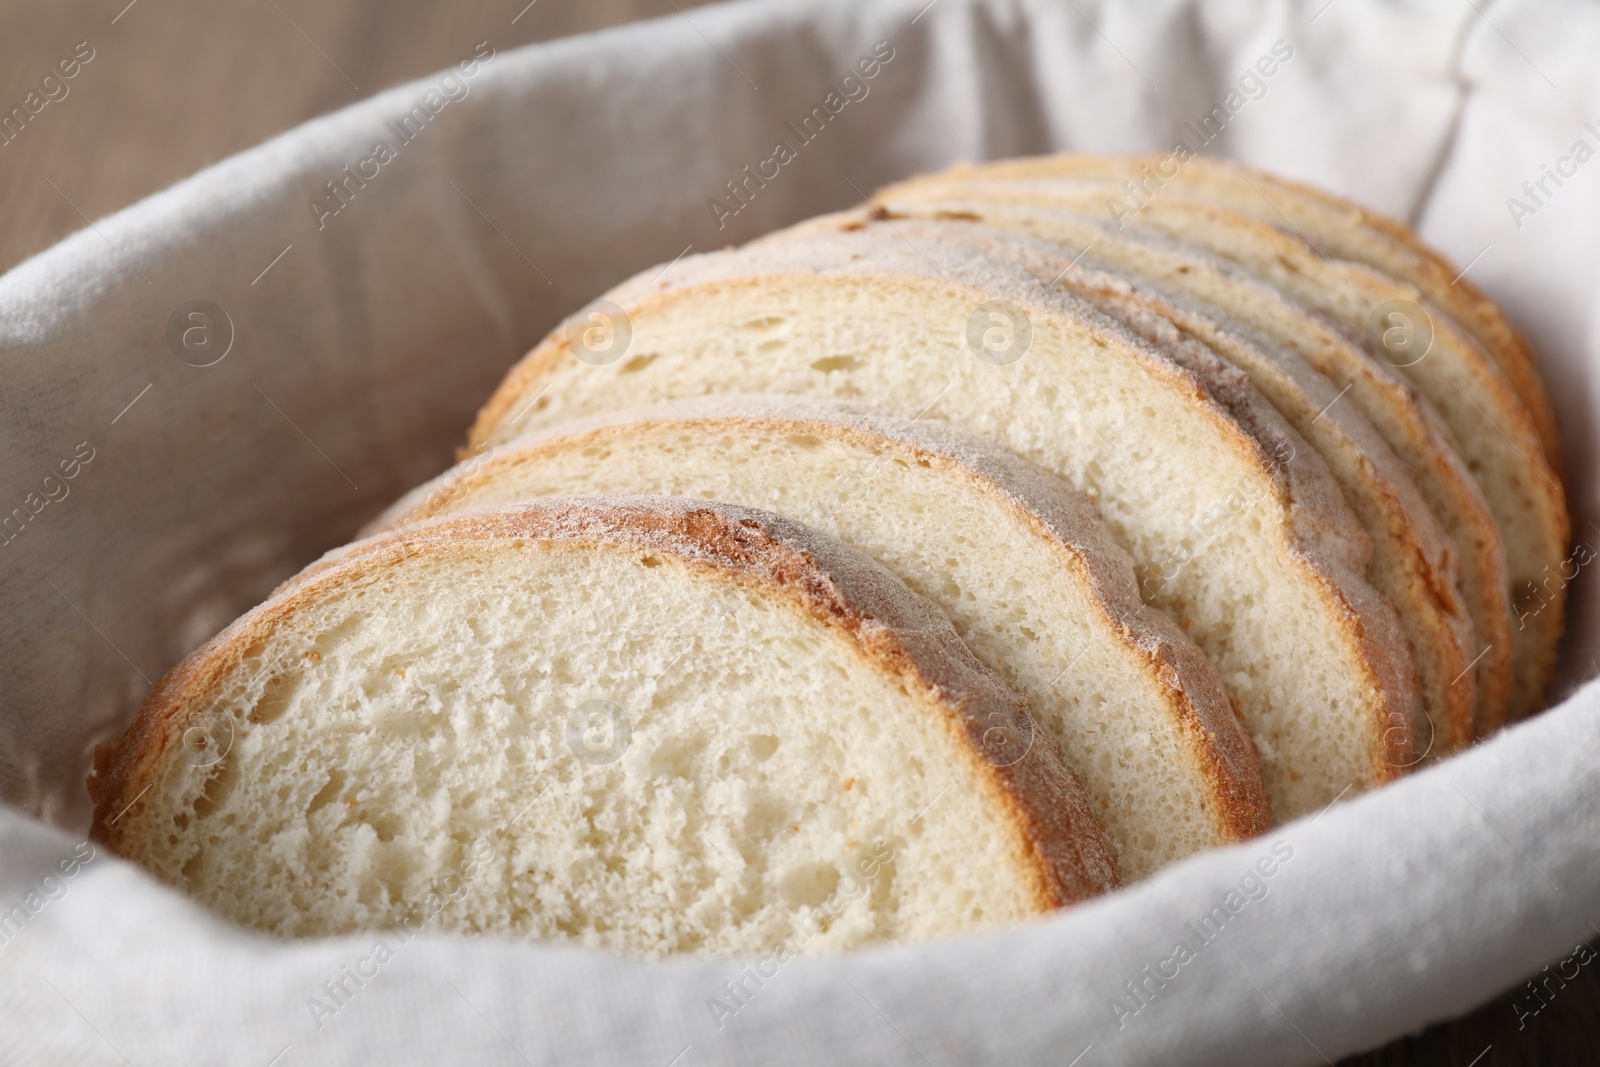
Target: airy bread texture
[[1500, 441], [1033, 582], [1332, 225], [1413, 563], [647, 725], [1236, 525]]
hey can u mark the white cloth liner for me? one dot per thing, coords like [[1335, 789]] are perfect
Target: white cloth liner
[[359, 356]]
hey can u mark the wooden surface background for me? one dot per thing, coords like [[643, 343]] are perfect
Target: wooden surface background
[[177, 84]]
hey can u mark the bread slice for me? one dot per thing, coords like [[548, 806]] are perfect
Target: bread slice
[[1413, 563], [1259, 557], [647, 725], [1018, 560], [1479, 415], [1332, 225]]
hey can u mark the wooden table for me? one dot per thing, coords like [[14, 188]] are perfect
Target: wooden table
[[177, 84]]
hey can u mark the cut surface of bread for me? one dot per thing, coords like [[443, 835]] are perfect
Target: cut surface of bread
[[1332, 225], [1018, 560], [1413, 563], [1239, 533], [647, 725], [1490, 426]]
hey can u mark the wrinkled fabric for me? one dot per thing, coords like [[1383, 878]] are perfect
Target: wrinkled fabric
[[163, 471]]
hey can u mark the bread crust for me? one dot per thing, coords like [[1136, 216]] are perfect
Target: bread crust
[[1321, 536], [1194, 697], [1334, 226], [1422, 578], [1532, 503], [1056, 838], [1290, 264]]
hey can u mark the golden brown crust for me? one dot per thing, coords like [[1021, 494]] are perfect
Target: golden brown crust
[[1408, 427], [1191, 688], [1536, 530], [1323, 537], [1348, 230], [1058, 838], [1421, 579], [1288, 262], [1333, 225]]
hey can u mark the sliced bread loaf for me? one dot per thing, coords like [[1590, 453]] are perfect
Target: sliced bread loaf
[[1034, 583], [1260, 559], [1413, 563], [1487, 421], [641, 724], [1332, 225]]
